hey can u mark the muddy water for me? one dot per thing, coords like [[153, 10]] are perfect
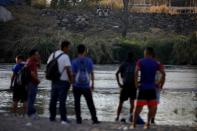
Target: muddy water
[[178, 105]]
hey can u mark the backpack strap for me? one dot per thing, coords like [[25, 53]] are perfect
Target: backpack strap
[[55, 58]]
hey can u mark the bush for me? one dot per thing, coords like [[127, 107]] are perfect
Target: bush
[[163, 49], [184, 50], [45, 47]]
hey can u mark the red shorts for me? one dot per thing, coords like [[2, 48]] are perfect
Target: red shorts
[[146, 102]]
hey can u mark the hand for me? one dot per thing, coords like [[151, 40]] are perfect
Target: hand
[[11, 88], [159, 84], [92, 88], [120, 85], [37, 82]]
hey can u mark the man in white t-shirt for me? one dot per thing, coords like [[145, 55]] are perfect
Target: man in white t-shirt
[[60, 87]]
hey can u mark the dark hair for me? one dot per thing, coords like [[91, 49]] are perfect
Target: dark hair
[[81, 48], [20, 57], [33, 52], [130, 57], [150, 51], [64, 43]]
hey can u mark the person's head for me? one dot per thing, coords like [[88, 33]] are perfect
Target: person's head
[[149, 52], [19, 58], [81, 49], [130, 57], [34, 54], [65, 46]]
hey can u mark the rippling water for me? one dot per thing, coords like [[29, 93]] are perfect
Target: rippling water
[[178, 104]]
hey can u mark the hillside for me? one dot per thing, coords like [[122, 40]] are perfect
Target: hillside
[[44, 28]]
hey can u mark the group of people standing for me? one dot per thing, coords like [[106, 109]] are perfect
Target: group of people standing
[[26, 93], [80, 74], [142, 82]]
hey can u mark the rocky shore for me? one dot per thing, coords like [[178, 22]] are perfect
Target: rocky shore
[[13, 123]]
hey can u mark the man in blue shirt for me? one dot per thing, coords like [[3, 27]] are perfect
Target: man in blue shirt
[[148, 67], [83, 83], [19, 91]]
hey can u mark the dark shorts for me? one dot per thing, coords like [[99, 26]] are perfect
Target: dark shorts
[[128, 92], [147, 94], [19, 94], [147, 97]]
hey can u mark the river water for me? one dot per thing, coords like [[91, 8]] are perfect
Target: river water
[[178, 105]]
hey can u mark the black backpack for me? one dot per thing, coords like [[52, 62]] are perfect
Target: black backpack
[[52, 70], [23, 77]]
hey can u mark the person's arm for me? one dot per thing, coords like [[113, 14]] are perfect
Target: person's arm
[[70, 74], [34, 76], [136, 76], [12, 80], [92, 79], [118, 78], [163, 77], [137, 71], [14, 73], [68, 67]]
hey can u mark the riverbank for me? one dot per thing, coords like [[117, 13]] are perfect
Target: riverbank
[[14, 123]]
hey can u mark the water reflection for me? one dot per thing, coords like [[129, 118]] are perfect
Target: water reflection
[[178, 100]]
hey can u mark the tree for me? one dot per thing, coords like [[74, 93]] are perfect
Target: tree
[[125, 18]]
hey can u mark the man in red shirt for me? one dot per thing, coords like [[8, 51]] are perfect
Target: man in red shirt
[[33, 63]]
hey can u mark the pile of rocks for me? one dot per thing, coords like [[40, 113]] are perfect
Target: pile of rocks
[[68, 20], [179, 23]]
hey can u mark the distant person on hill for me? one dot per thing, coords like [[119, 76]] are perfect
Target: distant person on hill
[[19, 91], [33, 63], [83, 77], [60, 86], [128, 90], [147, 67]]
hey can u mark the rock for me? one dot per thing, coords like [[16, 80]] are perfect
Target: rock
[[5, 15], [65, 20]]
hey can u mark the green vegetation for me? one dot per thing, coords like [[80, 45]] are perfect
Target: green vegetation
[[106, 46], [174, 50]]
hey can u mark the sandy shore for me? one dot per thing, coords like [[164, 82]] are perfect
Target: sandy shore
[[13, 123]]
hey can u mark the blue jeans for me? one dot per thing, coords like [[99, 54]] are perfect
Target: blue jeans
[[59, 93], [32, 92]]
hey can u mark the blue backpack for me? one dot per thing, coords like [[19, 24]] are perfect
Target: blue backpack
[[82, 76]]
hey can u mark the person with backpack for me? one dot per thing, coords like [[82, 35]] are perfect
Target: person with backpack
[[19, 91], [83, 83], [59, 65], [146, 69], [33, 62], [128, 90]]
